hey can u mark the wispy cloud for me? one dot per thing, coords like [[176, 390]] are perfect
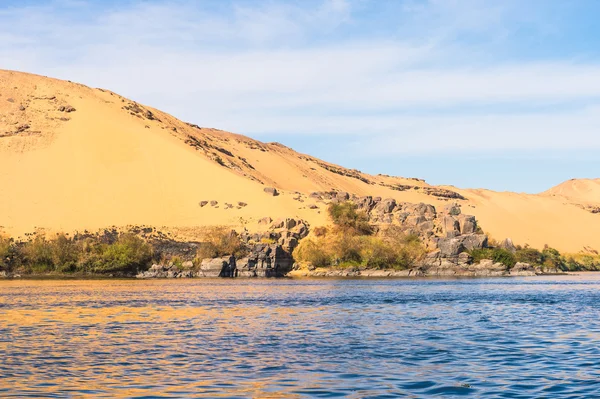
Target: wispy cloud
[[411, 76]]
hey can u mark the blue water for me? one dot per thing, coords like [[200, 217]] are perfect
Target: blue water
[[493, 338]]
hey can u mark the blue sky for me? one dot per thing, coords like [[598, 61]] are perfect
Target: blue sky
[[474, 93]]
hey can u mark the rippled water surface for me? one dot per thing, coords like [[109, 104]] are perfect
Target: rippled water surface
[[493, 338]]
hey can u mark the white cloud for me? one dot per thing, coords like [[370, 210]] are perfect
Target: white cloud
[[281, 68]]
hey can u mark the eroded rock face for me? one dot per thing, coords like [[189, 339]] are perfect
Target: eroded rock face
[[265, 261], [450, 246], [213, 267], [474, 241]]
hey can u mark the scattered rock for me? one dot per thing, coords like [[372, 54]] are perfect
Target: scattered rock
[[22, 128], [66, 108], [10, 100], [265, 221], [453, 210], [272, 191], [522, 269]]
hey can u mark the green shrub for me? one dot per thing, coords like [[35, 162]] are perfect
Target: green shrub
[[529, 255], [553, 259], [38, 255], [128, 254], [346, 217], [7, 254], [498, 255], [346, 248], [65, 254]]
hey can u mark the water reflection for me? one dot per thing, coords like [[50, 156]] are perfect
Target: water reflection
[[529, 337]]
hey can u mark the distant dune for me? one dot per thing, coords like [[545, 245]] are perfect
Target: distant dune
[[75, 158]]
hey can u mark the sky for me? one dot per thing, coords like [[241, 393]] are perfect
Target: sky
[[474, 93]]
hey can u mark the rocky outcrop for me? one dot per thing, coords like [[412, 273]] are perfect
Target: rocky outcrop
[[265, 261], [170, 271], [444, 268]]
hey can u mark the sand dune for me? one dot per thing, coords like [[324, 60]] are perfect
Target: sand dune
[[74, 158], [578, 190]]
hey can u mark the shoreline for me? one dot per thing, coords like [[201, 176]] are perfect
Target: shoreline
[[303, 275]]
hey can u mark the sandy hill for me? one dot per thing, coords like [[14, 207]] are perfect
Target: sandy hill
[[74, 157], [578, 190]]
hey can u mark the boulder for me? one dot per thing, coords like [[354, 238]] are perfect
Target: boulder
[[451, 226], [487, 267], [265, 221], [278, 224], [271, 191], [66, 108], [473, 241], [467, 224], [213, 267], [290, 223], [453, 209], [289, 244], [450, 246], [203, 203], [386, 206], [464, 259], [522, 269], [508, 245], [365, 203], [342, 196]]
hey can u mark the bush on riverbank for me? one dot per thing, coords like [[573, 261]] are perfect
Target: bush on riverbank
[[347, 217], [62, 254], [548, 258], [351, 242], [218, 241], [498, 255], [6, 253]]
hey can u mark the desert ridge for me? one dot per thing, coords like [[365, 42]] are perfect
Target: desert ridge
[[78, 158]]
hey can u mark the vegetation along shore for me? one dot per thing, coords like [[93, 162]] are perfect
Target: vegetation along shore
[[351, 245]]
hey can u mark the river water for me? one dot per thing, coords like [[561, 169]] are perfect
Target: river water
[[493, 338]]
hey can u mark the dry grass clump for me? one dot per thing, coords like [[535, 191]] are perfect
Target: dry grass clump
[[351, 242], [218, 241]]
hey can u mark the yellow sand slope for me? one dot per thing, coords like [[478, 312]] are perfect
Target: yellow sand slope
[[74, 158]]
